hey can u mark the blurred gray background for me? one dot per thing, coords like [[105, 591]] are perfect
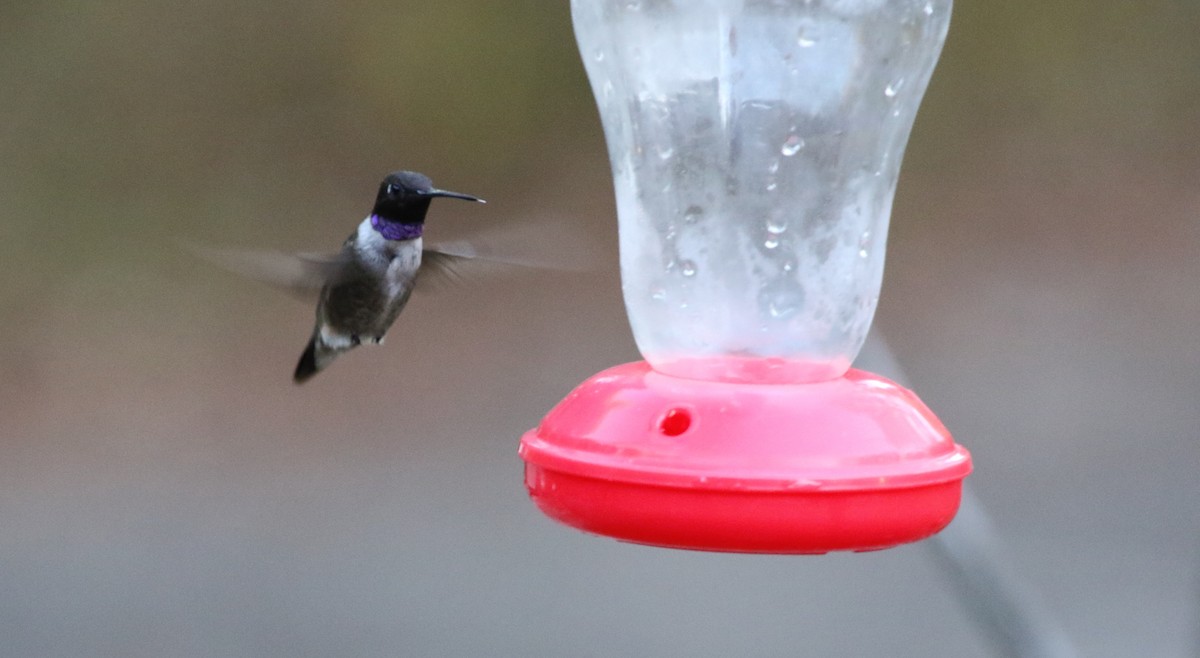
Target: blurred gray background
[[166, 491]]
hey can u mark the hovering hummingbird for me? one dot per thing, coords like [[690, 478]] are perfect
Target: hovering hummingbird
[[363, 288], [367, 284]]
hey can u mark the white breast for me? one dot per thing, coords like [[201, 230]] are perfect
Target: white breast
[[396, 260], [406, 259]]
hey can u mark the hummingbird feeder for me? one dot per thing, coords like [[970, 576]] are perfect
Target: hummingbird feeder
[[755, 147]]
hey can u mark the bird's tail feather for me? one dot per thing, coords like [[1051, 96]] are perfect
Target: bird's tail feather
[[316, 357], [307, 367]]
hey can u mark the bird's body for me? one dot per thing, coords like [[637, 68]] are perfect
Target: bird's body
[[360, 303], [368, 284]]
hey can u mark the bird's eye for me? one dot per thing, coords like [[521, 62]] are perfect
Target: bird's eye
[[392, 189]]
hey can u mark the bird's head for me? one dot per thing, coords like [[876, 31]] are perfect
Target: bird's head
[[404, 197]]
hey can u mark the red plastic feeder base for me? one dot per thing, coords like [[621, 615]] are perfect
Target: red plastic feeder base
[[856, 463]]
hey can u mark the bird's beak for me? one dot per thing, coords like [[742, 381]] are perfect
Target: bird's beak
[[453, 195]]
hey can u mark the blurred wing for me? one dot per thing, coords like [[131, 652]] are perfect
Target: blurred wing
[[496, 254], [449, 264], [540, 244], [299, 274], [446, 264]]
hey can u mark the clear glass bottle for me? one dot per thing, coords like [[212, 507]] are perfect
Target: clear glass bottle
[[755, 147]]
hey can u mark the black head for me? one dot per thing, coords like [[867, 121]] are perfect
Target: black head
[[404, 197]]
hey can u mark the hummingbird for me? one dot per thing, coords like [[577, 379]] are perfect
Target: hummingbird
[[363, 288], [366, 286]]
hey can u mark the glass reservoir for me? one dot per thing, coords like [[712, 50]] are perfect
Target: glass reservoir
[[755, 147]]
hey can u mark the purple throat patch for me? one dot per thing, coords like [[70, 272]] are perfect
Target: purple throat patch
[[391, 230]]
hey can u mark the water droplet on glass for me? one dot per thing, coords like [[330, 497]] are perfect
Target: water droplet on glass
[[692, 214], [687, 268], [776, 224], [782, 298], [599, 55], [804, 41], [862, 253], [771, 242], [771, 186], [633, 6], [792, 145], [658, 294], [773, 167], [895, 113], [928, 9], [665, 154], [893, 88]]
